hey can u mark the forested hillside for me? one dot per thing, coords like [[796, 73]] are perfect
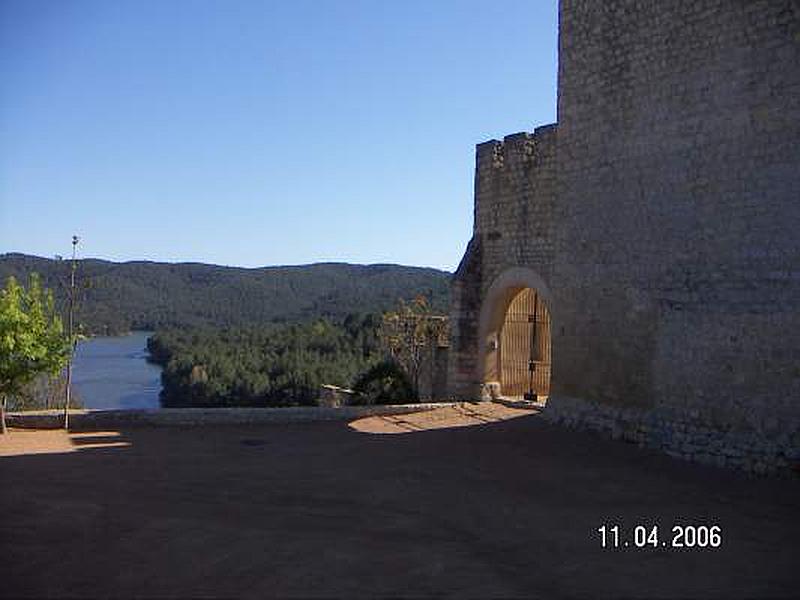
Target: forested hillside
[[118, 297], [270, 365]]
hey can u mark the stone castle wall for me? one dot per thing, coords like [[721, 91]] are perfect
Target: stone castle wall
[[677, 259], [664, 226]]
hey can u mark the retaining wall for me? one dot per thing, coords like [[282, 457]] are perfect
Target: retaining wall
[[188, 417], [763, 447]]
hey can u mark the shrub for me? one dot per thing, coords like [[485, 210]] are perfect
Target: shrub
[[384, 383]]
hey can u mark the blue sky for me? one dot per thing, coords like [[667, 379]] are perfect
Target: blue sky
[[260, 133]]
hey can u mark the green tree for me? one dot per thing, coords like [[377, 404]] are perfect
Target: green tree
[[384, 383], [32, 340]]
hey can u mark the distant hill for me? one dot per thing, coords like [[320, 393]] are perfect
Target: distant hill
[[118, 297]]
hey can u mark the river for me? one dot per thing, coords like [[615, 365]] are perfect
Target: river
[[112, 372]]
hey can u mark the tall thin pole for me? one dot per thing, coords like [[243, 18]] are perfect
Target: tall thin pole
[[70, 321], [532, 361]]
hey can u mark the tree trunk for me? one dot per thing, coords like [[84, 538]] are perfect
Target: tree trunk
[[3, 429]]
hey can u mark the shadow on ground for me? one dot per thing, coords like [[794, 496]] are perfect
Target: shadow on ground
[[502, 509]]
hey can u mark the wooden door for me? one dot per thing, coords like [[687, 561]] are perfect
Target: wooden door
[[525, 346]]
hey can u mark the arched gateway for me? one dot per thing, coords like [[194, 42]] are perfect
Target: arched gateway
[[515, 336]]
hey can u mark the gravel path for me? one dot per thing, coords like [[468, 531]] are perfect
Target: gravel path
[[508, 507]]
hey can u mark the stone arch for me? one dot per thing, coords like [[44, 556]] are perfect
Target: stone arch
[[501, 293]]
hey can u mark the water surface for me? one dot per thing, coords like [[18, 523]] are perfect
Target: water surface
[[112, 372]]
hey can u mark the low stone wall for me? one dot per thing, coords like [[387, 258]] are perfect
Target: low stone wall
[[188, 417], [683, 436]]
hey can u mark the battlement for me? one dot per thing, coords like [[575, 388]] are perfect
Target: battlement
[[515, 198], [522, 145]]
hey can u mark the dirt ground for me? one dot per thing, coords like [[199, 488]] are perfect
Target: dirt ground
[[481, 501]]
